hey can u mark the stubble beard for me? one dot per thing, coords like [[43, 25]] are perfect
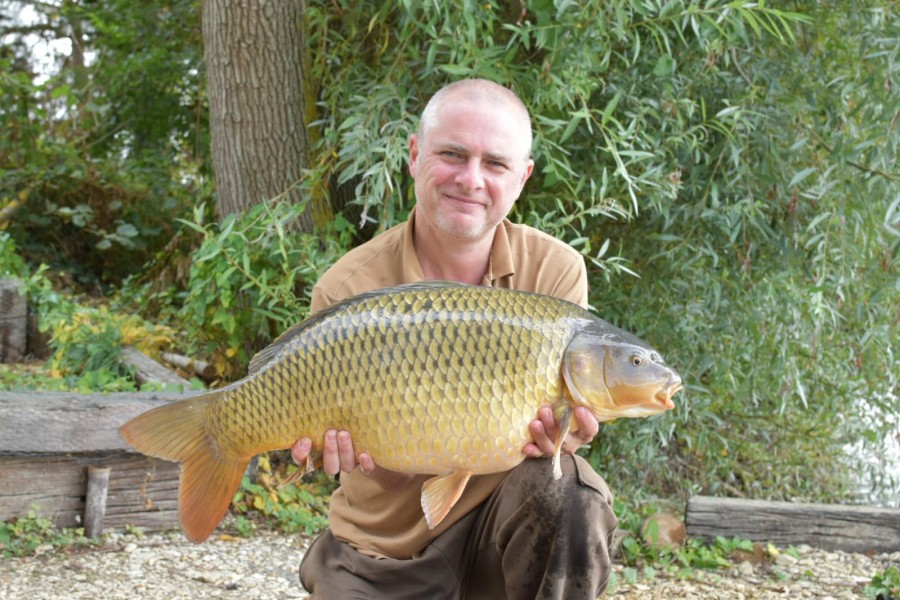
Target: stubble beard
[[464, 231]]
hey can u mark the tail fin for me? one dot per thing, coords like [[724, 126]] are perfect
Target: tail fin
[[178, 432]]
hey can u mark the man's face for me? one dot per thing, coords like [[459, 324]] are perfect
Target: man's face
[[470, 167]]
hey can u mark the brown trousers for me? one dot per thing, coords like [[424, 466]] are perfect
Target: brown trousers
[[533, 538]]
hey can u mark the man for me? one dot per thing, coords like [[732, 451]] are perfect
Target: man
[[519, 534]]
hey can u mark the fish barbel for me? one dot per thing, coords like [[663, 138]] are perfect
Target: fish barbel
[[433, 378]]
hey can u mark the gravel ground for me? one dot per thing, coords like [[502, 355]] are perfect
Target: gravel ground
[[167, 566]]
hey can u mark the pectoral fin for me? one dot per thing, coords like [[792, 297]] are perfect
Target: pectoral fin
[[564, 420], [440, 493]]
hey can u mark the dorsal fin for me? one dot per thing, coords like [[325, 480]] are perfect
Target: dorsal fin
[[273, 350]]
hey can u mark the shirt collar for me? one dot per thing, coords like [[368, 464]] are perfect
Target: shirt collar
[[502, 262]]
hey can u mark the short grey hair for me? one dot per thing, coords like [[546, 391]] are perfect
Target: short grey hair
[[475, 89]]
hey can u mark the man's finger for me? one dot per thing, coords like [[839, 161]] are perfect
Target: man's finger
[[300, 450], [345, 451], [366, 464], [331, 462]]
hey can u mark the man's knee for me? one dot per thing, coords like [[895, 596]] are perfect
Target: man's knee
[[581, 492]]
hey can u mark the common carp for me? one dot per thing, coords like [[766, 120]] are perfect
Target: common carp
[[434, 378]]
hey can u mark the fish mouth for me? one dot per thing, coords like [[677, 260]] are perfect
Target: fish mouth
[[664, 396]]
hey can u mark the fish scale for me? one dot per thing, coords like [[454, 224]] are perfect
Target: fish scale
[[429, 378]]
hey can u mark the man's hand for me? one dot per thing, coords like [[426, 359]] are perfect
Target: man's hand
[[338, 455], [545, 429]]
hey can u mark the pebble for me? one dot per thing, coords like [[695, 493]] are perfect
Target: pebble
[[815, 575], [160, 566], [166, 566]]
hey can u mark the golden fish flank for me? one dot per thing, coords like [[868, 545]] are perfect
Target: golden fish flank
[[428, 378]]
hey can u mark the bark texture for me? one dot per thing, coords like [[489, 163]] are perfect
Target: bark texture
[[254, 53]]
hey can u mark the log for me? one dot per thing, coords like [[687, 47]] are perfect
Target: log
[[95, 500], [13, 321], [41, 422], [150, 371], [826, 526], [197, 366]]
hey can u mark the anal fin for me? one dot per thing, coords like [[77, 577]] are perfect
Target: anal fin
[[440, 493]]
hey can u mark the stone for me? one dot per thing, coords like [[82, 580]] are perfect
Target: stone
[[663, 530]]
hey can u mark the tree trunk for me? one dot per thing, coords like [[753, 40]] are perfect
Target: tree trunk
[[254, 52]]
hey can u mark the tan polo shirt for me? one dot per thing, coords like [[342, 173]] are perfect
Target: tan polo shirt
[[381, 522]]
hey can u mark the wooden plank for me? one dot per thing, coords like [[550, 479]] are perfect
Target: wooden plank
[[65, 422], [142, 491], [827, 526]]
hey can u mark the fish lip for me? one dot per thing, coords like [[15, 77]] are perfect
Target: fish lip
[[664, 396]]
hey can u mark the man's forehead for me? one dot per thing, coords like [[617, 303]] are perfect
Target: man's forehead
[[495, 130]]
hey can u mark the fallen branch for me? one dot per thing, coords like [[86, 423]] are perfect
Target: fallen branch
[[197, 366], [148, 370]]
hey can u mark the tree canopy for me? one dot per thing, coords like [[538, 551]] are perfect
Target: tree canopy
[[727, 168]]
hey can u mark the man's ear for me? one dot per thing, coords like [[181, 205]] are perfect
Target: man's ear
[[413, 154], [529, 167]]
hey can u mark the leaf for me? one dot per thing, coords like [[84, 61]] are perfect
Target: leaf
[[798, 177], [665, 66], [456, 70], [610, 108], [127, 230], [60, 91]]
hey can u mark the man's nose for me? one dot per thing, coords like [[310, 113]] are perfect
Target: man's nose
[[470, 176]]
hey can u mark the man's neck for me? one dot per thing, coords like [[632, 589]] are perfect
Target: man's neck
[[463, 261]]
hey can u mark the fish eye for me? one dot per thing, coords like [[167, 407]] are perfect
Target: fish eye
[[636, 361]]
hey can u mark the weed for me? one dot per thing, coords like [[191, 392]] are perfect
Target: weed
[[299, 507], [24, 536], [885, 585]]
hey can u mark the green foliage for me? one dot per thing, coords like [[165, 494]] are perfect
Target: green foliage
[[25, 536], [295, 507], [250, 278], [695, 553], [86, 154], [770, 294], [86, 339], [885, 584], [712, 556], [11, 264]]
